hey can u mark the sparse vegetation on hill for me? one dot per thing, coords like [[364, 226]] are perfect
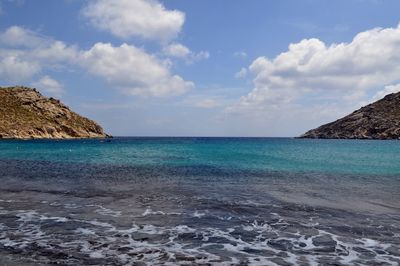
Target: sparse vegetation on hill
[[25, 113], [379, 120]]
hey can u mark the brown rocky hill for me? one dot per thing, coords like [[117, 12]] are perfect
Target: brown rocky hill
[[379, 120], [25, 113]]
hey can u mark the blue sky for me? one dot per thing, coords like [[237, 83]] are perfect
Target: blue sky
[[204, 68]]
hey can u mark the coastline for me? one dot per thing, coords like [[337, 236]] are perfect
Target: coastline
[[64, 138], [199, 201]]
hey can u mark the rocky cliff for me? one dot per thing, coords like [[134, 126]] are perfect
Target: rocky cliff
[[25, 113], [379, 120]]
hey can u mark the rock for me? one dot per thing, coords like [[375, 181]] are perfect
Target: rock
[[26, 114], [379, 120]]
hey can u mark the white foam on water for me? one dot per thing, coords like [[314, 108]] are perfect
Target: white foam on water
[[307, 241], [9, 201], [198, 214], [26, 216], [56, 219], [163, 244], [370, 243], [71, 206], [85, 231], [149, 211], [96, 255], [7, 242], [261, 227], [352, 254], [105, 211]]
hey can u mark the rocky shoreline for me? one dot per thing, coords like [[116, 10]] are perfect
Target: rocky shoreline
[[379, 120], [27, 114]]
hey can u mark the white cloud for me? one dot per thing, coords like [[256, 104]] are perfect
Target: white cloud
[[200, 55], [299, 85], [133, 70], [16, 36], [387, 90], [240, 54], [311, 69], [241, 73], [126, 18], [50, 86], [207, 103], [56, 51], [180, 51], [24, 53], [203, 100], [177, 50], [30, 45], [14, 69]]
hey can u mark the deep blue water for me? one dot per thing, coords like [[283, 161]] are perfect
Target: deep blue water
[[261, 201]]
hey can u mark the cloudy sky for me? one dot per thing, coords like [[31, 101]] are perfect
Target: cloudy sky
[[204, 68]]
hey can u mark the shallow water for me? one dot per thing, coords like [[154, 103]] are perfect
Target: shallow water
[[200, 201]]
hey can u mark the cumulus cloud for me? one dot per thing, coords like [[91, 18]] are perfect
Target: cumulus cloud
[[241, 73], [387, 90], [207, 103], [30, 45], [24, 53], [177, 50], [50, 86], [133, 70], [148, 19], [343, 71], [14, 69], [200, 55], [55, 52], [16, 36], [180, 51], [240, 54], [203, 101], [313, 83]]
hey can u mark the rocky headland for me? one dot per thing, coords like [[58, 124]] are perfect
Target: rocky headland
[[379, 120], [27, 114]]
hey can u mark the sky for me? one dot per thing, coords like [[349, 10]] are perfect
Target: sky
[[204, 68]]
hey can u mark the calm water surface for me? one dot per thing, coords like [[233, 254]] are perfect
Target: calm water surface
[[185, 201]]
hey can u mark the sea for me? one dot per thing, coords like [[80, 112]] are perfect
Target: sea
[[199, 201]]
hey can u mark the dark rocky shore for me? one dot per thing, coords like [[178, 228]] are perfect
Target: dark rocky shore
[[26, 114], [379, 120]]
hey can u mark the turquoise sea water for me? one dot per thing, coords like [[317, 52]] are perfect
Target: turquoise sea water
[[200, 201], [266, 154]]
